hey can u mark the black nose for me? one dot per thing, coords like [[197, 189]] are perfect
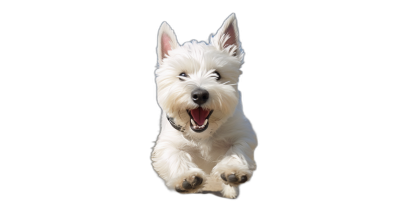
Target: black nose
[[200, 96]]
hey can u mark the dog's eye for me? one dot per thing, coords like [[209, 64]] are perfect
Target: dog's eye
[[218, 75], [182, 75]]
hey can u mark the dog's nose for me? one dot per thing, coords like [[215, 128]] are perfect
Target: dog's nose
[[200, 96]]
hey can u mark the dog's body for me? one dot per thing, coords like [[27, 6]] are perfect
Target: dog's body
[[204, 135]]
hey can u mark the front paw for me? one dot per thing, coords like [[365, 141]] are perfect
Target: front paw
[[234, 179], [190, 181], [190, 184], [233, 175]]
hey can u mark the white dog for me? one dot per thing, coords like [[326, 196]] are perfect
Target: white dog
[[205, 136]]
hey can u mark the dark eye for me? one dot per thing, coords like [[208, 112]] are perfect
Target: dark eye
[[182, 75], [218, 75]]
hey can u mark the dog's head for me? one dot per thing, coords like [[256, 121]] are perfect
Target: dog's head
[[197, 81]]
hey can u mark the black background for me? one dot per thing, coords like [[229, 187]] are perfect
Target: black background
[[113, 117]]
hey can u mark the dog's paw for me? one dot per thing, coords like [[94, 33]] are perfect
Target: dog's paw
[[234, 178], [191, 181], [229, 191], [233, 175], [190, 184]]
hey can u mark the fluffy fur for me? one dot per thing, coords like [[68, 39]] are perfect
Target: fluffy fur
[[224, 152]]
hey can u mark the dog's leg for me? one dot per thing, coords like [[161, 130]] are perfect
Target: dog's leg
[[236, 167], [175, 166]]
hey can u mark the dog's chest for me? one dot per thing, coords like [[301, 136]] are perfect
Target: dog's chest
[[208, 153]]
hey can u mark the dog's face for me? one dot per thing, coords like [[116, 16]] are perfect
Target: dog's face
[[197, 82]]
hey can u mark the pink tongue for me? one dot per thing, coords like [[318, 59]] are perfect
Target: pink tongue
[[199, 115]]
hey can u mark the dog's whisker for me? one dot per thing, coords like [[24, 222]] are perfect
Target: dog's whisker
[[234, 84]]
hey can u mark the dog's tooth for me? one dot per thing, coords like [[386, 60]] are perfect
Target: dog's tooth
[[205, 122], [191, 120]]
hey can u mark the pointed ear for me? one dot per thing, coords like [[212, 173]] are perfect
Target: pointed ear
[[166, 41], [227, 37]]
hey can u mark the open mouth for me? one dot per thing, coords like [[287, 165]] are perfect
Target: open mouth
[[199, 119]]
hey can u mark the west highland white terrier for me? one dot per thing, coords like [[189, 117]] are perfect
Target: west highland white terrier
[[205, 138]]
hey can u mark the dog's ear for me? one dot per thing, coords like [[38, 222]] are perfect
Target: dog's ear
[[227, 37], [166, 41]]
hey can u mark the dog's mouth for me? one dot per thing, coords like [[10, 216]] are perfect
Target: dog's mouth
[[199, 119]]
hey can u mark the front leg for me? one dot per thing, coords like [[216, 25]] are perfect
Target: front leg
[[175, 166], [236, 167]]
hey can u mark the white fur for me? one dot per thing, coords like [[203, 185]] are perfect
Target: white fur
[[227, 145]]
